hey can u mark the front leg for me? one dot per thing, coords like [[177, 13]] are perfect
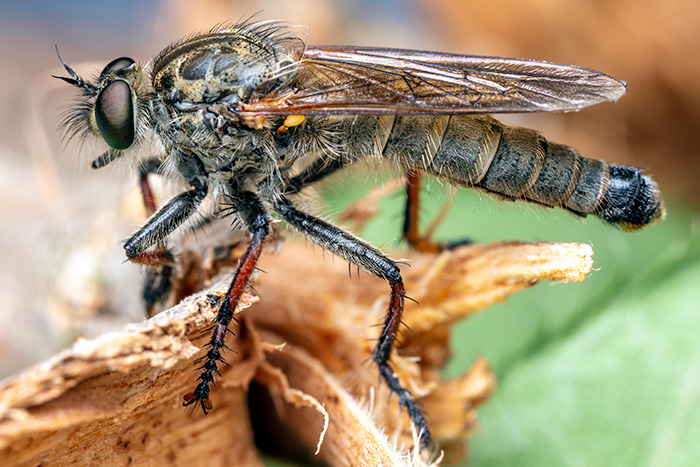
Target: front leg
[[159, 278], [253, 214], [158, 226], [162, 223], [165, 221], [370, 259]]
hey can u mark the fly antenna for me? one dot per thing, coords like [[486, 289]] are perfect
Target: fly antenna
[[75, 79]]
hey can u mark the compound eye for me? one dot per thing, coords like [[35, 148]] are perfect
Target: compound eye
[[114, 114], [116, 64]]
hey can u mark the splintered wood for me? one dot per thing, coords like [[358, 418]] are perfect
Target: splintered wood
[[300, 382]]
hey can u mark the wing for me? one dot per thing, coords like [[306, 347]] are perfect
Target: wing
[[364, 80]]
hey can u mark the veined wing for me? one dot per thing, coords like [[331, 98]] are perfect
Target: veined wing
[[365, 80]]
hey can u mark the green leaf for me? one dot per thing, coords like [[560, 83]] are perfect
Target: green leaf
[[623, 389]]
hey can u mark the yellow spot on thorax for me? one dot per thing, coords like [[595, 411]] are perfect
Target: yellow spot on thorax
[[291, 120]]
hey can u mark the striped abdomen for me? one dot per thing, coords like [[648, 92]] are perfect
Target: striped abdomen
[[519, 163]]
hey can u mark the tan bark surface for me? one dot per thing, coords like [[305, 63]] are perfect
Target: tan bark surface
[[300, 379]]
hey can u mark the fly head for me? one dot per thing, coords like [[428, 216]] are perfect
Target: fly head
[[108, 108]]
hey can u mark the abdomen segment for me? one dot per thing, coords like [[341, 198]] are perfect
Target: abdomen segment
[[519, 163]]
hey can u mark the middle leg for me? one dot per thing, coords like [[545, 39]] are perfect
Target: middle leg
[[251, 211], [370, 259]]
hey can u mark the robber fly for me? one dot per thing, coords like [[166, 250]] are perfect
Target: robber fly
[[252, 114]]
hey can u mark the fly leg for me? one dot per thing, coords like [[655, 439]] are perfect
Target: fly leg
[[160, 275], [371, 260], [253, 214], [411, 230], [163, 222], [171, 215], [150, 166]]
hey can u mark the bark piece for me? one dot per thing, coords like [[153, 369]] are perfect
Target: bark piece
[[117, 399]]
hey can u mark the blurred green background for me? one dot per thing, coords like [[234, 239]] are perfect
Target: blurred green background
[[606, 372]]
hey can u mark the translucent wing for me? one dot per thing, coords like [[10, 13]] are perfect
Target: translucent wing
[[364, 80]]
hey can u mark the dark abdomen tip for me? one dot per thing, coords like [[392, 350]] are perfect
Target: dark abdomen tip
[[632, 200]]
